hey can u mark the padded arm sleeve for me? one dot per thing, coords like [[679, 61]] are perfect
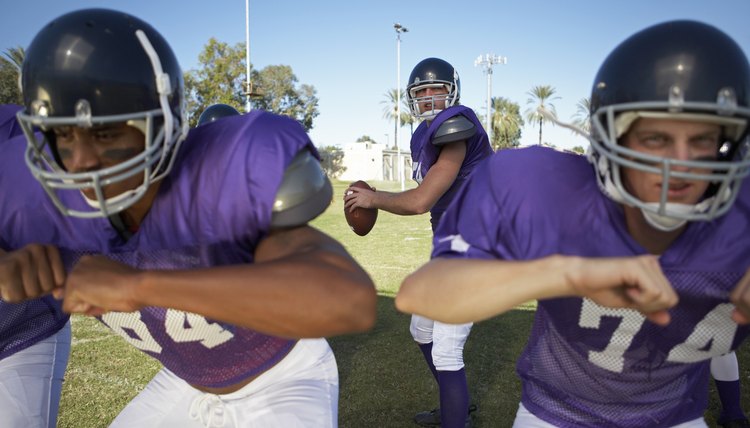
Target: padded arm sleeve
[[457, 128], [305, 192]]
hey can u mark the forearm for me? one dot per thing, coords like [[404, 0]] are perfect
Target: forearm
[[465, 290], [310, 296], [409, 202]]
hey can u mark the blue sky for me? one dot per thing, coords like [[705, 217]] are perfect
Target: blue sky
[[347, 49]]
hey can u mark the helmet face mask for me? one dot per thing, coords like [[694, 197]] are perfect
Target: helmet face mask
[[130, 76], [46, 166], [686, 87], [432, 73]]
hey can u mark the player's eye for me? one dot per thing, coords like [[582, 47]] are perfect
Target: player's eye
[[106, 134], [707, 142], [653, 141], [62, 134]]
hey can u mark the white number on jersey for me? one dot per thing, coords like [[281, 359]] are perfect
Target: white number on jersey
[[712, 336], [417, 170], [611, 358], [180, 326], [118, 321], [197, 329], [711, 330]]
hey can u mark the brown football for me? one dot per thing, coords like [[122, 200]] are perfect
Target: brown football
[[361, 220]]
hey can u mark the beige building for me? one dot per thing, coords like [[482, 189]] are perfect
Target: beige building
[[372, 161]]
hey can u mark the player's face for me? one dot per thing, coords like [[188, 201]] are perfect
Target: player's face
[[434, 98], [91, 149], [675, 139]]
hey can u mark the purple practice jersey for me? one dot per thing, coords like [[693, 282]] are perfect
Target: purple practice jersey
[[424, 154], [21, 324], [212, 209], [586, 365]]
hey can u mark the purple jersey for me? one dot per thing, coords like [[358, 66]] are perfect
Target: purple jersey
[[212, 209], [424, 154], [587, 365], [21, 324]]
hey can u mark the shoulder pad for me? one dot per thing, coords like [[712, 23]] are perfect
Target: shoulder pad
[[457, 128], [305, 192]]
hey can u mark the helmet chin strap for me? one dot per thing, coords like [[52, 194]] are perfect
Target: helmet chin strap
[[657, 221], [93, 203], [431, 115], [665, 223]]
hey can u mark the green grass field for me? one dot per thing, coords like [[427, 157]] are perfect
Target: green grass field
[[384, 380]]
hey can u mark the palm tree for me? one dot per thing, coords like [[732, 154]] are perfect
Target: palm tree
[[14, 56], [506, 123], [540, 97], [582, 117], [390, 111], [406, 116]]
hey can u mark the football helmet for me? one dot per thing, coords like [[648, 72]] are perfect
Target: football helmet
[[93, 67], [216, 111], [681, 70], [432, 72]]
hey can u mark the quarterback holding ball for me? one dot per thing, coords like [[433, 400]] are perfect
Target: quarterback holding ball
[[445, 149]]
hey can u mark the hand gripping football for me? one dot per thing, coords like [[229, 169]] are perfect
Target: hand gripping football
[[361, 220]]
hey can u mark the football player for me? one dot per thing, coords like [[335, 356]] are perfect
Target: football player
[[216, 112], [35, 333], [637, 258], [446, 146], [195, 248]]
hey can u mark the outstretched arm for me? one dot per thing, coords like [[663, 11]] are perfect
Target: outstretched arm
[[419, 200], [465, 290], [303, 284]]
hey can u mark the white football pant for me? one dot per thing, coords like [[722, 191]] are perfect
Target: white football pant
[[301, 390], [448, 341], [31, 382]]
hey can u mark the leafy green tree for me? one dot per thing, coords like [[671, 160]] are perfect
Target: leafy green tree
[[578, 149], [365, 139], [506, 123], [221, 78], [540, 96], [280, 93], [10, 64], [582, 116], [332, 161]]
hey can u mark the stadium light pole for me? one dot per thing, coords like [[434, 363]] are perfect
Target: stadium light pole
[[487, 61], [399, 29]]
